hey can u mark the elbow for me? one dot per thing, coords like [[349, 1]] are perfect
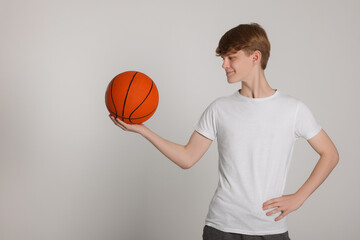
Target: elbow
[[186, 166], [187, 160], [332, 155], [189, 163], [335, 157]]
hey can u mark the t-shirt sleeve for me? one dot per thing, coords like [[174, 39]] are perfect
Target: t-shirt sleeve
[[306, 125], [206, 125]]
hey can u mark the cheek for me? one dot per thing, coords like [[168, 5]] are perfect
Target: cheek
[[241, 67], [247, 65]]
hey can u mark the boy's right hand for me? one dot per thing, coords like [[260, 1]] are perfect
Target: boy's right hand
[[137, 128]]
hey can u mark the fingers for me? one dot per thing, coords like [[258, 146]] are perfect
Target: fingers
[[278, 209], [274, 203], [118, 122], [283, 204], [271, 203], [274, 211], [283, 214]]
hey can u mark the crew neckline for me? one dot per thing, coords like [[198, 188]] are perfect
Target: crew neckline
[[256, 99]]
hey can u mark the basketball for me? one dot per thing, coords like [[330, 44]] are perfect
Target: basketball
[[132, 97]]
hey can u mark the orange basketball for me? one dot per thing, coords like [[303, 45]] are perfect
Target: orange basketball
[[132, 96]]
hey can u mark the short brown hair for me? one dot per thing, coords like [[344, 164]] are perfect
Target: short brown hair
[[247, 37]]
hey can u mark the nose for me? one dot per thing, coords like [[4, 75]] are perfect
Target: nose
[[225, 63]]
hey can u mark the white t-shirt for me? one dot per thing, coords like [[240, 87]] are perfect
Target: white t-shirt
[[255, 139]]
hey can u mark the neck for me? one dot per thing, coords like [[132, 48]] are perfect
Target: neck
[[256, 87]]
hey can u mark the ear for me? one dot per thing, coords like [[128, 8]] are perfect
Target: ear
[[256, 56]]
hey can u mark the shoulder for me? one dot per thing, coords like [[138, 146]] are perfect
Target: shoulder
[[224, 99], [288, 98], [290, 101], [299, 107], [217, 104], [219, 101]]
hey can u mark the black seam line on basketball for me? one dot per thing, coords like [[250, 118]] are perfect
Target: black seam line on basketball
[[152, 83], [137, 117], [127, 92], [111, 94]]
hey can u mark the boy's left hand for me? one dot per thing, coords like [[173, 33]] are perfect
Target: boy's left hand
[[286, 204]]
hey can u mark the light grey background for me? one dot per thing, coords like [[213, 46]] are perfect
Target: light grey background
[[67, 172]]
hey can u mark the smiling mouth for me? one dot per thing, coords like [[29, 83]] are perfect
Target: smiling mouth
[[229, 73]]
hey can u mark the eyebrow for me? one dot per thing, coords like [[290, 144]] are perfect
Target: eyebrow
[[227, 55], [230, 53]]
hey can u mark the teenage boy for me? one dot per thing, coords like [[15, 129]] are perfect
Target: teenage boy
[[256, 128]]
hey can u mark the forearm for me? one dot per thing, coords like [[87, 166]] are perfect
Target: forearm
[[175, 152], [321, 171]]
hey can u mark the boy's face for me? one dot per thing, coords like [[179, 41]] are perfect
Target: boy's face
[[238, 66]]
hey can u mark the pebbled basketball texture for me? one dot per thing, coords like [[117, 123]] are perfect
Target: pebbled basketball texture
[[132, 96]]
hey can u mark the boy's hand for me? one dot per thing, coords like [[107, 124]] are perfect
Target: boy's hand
[[137, 128], [286, 204]]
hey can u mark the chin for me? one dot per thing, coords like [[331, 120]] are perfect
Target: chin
[[231, 81]]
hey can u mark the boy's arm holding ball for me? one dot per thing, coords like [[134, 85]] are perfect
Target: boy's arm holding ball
[[185, 156]]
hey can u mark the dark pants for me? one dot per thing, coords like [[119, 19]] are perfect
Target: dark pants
[[211, 233]]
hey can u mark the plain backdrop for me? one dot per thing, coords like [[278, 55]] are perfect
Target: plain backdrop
[[67, 172]]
